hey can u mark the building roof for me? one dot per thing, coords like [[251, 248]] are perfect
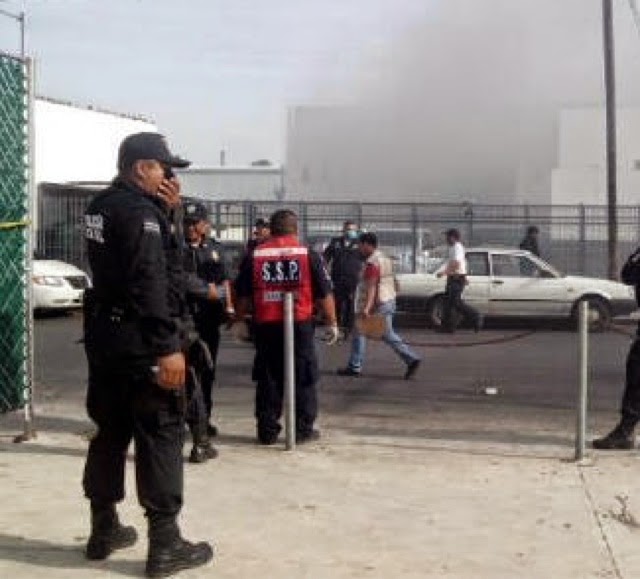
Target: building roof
[[129, 116]]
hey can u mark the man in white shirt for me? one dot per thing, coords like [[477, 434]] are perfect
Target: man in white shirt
[[456, 272]]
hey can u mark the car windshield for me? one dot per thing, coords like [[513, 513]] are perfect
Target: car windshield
[[544, 265]]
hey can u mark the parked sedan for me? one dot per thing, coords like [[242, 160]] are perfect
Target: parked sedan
[[508, 283], [57, 285]]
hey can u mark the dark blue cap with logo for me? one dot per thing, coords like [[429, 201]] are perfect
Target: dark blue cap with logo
[[147, 147], [195, 211]]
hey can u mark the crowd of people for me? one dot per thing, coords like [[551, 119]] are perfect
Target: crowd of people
[[161, 294], [152, 327]]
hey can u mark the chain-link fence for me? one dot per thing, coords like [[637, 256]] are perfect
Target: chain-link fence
[[573, 238], [14, 234]]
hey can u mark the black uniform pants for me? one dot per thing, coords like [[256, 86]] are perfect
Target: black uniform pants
[[126, 404], [270, 377], [345, 308], [209, 331], [631, 398], [453, 303]]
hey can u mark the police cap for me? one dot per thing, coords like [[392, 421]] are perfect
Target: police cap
[[147, 146], [195, 211]]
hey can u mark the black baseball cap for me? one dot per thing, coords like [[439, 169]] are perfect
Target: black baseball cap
[[194, 211], [143, 146]]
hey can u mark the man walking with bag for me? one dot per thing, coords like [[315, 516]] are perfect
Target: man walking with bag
[[376, 295]]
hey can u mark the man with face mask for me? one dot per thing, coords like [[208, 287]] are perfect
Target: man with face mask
[[345, 263], [133, 341]]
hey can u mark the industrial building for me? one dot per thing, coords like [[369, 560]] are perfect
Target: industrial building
[[234, 183], [580, 175], [76, 143]]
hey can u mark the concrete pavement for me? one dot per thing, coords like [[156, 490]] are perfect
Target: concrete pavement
[[423, 479]]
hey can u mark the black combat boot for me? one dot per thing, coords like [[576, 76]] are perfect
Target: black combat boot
[[202, 449], [620, 438], [202, 452], [169, 553], [107, 534]]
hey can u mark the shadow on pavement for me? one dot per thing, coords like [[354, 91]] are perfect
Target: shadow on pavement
[[505, 436], [44, 423], [40, 553], [43, 449], [490, 453]]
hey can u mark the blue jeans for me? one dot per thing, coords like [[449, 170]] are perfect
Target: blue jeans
[[397, 344]]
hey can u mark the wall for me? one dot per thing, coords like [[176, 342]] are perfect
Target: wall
[[580, 176], [79, 144], [233, 183]]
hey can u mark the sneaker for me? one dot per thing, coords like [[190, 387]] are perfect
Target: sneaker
[[348, 371], [169, 560], [305, 437], [617, 439], [103, 542], [412, 368]]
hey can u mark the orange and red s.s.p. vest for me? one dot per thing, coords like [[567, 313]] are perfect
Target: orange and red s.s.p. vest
[[280, 265]]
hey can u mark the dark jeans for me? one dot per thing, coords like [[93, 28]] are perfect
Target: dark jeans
[[270, 377], [454, 303], [345, 308], [126, 404], [631, 398]]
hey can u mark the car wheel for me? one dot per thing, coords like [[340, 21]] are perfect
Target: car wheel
[[599, 314]]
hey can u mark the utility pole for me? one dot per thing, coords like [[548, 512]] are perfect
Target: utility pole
[[612, 163]]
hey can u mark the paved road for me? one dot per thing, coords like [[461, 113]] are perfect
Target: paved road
[[535, 378], [428, 478]]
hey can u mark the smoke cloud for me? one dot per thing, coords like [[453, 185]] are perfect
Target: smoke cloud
[[464, 106]]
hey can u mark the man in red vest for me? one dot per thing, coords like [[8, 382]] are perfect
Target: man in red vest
[[279, 265]]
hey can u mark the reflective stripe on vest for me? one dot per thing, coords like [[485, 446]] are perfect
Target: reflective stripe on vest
[[281, 265]]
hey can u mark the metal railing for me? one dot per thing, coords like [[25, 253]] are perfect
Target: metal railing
[[572, 238]]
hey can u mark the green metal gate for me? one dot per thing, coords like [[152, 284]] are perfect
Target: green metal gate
[[15, 315]]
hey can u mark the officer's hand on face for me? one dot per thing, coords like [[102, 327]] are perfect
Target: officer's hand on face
[[172, 371], [169, 192]]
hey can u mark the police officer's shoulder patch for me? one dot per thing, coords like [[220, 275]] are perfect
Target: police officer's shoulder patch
[[150, 226]]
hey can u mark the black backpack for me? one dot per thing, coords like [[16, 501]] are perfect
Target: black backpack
[[630, 274]]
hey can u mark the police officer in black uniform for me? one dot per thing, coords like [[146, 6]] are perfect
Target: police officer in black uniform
[[136, 364], [204, 257], [345, 261], [622, 437], [310, 285]]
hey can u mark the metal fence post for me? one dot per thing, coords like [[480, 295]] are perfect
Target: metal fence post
[[582, 238], [583, 378], [417, 239], [289, 373]]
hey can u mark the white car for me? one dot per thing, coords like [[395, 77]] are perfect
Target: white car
[[57, 285], [510, 283]]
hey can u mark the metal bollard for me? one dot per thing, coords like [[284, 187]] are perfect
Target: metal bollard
[[289, 373], [583, 378]]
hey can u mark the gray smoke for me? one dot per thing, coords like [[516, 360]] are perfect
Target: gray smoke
[[465, 107]]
